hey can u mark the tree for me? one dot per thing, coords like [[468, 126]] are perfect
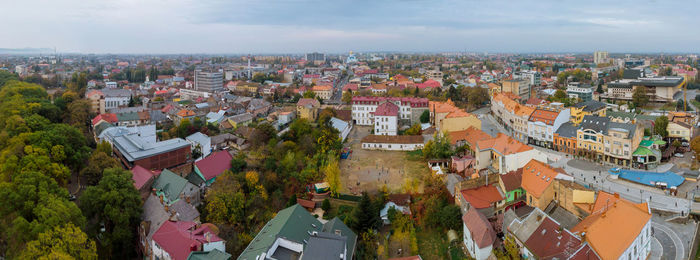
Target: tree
[[62, 242], [639, 97], [238, 163], [309, 94], [676, 143], [98, 162], [326, 205], [477, 96], [599, 89], [438, 148], [365, 215], [333, 176], [262, 134], [661, 126], [116, 204], [414, 130], [347, 97], [79, 114], [695, 145], [425, 117], [6, 76]]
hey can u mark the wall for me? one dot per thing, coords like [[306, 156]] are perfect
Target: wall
[[460, 123], [392, 147], [473, 248]]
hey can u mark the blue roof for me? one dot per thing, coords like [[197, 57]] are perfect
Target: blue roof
[[649, 178]]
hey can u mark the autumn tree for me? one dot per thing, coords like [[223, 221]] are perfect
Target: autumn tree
[[332, 172], [116, 203], [347, 97], [62, 242], [98, 162]]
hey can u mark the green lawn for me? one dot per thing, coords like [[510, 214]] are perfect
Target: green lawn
[[340, 208], [432, 244]]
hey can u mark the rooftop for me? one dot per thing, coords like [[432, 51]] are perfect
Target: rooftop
[[503, 144], [480, 228], [537, 176], [482, 197]]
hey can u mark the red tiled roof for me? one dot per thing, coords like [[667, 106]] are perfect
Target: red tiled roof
[[214, 164], [550, 241], [512, 180], [480, 228], [308, 101], [176, 238], [471, 136], [140, 176], [428, 84], [387, 109], [109, 117], [306, 203], [350, 86], [482, 197], [544, 116]]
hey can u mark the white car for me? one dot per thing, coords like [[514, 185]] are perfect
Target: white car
[[679, 155]]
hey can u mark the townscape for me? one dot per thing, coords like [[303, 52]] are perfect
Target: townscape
[[355, 155]]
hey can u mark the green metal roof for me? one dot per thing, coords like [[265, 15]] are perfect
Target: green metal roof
[[643, 151], [169, 184], [293, 223], [211, 255], [129, 116]]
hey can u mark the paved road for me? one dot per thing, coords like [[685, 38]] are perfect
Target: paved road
[[671, 243]]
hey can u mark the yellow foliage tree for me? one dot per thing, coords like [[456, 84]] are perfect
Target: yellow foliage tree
[[333, 176]]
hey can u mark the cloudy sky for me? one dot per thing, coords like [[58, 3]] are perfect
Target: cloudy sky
[[296, 26]]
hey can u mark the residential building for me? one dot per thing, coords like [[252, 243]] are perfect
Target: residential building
[[410, 109], [681, 117], [240, 120], [177, 240], [478, 235], [617, 228], [435, 75], [487, 199], [587, 108], [211, 82], [513, 116], [590, 134], [519, 87], [170, 188], [190, 94], [324, 92], [211, 167], [307, 108], [621, 140], [539, 236], [565, 138], [467, 138], [294, 234], [200, 141], [399, 202], [143, 179], [534, 78], [577, 90], [97, 101], [542, 125], [600, 57], [447, 117], [680, 131], [315, 57], [110, 84], [537, 179], [393, 142], [511, 184], [503, 154], [386, 119]]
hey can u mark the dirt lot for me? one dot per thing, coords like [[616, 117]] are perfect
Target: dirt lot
[[369, 171]]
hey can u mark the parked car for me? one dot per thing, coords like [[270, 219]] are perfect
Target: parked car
[[679, 155]]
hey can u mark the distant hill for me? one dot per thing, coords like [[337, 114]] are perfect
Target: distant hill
[[25, 50]]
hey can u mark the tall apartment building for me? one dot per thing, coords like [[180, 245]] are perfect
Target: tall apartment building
[[600, 57], [520, 87], [534, 77], [316, 58], [208, 81]]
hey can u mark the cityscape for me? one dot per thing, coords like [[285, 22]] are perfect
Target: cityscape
[[356, 138]]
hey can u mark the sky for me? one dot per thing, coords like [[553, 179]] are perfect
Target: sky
[[339, 26]]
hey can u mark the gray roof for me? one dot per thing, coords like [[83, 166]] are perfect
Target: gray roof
[[158, 116], [630, 128], [523, 229], [621, 114], [242, 117], [325, 246], [591, 105], [565, 218], [197, 137], [649, 82], [567, 130], [114, 92], [194, 178], [218, 139], [596, 123], [184, 211], [632, 73], [209, 255], [452, 180], [133, 148], [335, 226]]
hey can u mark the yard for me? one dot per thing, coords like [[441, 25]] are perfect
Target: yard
[[433, 244], [370, 171]]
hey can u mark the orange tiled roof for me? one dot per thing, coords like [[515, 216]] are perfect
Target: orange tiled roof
[[471, 136], [185, 113], [537, 176], [322, 88], [442, 107], [504, 144], [544, 116], [458, 113], [611, 231]]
